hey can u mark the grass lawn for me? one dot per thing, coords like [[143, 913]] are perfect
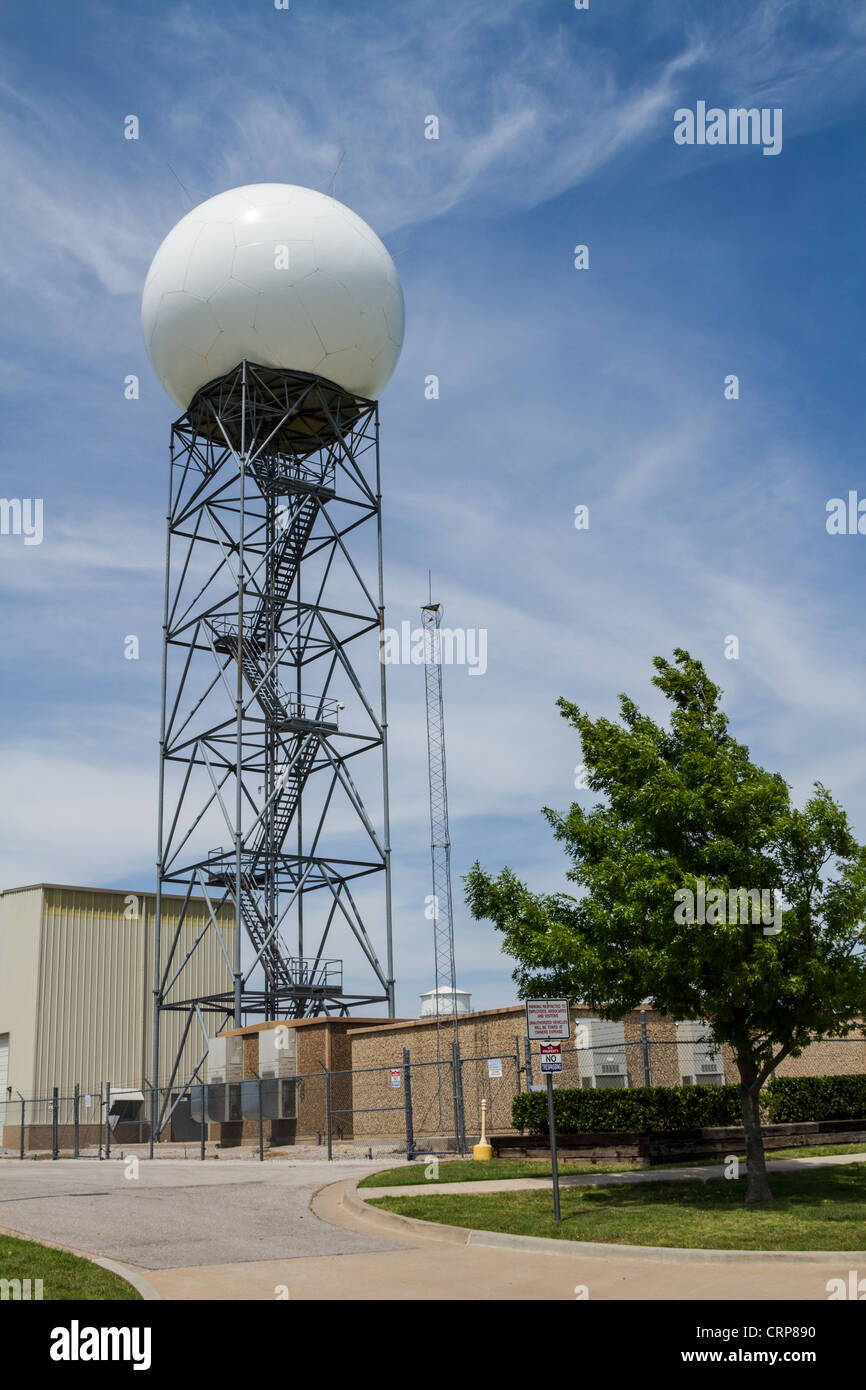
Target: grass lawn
[[820, 1210], [63, 1276], [467, 1170]]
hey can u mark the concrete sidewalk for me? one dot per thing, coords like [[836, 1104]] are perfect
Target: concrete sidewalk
[[433, 1264], [697, 1174]]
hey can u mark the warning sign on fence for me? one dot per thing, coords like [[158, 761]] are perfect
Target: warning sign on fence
[[494, 1066], [395, 1078], [551, 1057], [547, 1018]]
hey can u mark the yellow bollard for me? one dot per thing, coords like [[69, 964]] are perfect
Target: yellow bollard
[[482, 1149]]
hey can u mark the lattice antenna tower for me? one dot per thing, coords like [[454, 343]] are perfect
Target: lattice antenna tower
[[440, 840]]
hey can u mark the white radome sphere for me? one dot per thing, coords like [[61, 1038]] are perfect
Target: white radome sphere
[[277, 274]]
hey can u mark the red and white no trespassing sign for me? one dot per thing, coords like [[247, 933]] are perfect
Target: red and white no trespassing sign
[[551, 1057], [547, 1018]]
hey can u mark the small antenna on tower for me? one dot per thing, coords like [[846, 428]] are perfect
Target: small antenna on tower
[[336, 172], [183, 186]]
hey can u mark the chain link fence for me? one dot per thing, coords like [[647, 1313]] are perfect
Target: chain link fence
[[414, 1106]]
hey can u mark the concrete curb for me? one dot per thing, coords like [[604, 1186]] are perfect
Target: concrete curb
[[403, 1225], [131, 1276], [498, 1240]]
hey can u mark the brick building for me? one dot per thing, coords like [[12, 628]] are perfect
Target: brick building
[[366, 1061]]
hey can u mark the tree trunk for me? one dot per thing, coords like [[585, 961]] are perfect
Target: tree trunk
[[757, 1183]]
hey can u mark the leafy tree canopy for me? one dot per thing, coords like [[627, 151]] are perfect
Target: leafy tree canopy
[[685, 808]]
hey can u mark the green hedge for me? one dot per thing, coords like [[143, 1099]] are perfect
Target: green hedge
[[794, 1098], [644, 1108]]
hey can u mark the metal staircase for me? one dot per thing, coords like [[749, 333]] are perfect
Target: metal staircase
[[287, 558], [247, 653], [272, 957], [291, 784], [282, 712]]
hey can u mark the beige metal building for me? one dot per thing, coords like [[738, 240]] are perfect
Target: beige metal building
[[76, 982]]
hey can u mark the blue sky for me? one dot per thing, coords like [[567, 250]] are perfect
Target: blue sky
[[558, 387]]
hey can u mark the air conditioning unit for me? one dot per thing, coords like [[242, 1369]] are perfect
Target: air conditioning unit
[[610, 1074], [601, 1054], [224, 1102], [278, 1051], [216, 1103], [700, 1060], [284, 1096], [279, 1098], [225, 1069], [225, 1060]]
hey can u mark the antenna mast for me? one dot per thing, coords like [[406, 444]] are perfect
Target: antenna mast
[[440, 840]]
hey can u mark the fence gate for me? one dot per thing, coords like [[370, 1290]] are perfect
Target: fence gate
[[368, 1112], [494, 1079]]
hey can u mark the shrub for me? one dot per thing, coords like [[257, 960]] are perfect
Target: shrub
[[794, 1098], [645, 1108]]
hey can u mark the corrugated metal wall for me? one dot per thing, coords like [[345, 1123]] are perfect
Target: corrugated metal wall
[[95, 983], [20, 934]]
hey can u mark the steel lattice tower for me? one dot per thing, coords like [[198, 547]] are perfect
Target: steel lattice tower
[[263, 709], [440, 841]]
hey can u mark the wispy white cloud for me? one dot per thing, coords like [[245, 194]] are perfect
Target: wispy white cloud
[[81, 199], [700, 527]]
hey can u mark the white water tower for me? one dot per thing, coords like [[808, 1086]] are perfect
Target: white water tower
[[445, 1002]]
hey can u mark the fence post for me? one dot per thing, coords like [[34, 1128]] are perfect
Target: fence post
[[644, 1042], [154, 1103], [261, 1123], [203, 1134], [527, 1052], [328, 1108], [459, 1117], [454, 1099], [108, 1119], [551, 1121], [518, 1069], [54, 1138], [76, 1103], [21, 1145], [407, 1101]]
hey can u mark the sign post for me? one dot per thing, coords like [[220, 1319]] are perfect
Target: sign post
[[548, 1019], [553, 1160]]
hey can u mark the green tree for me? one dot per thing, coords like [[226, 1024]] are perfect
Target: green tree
[[686, 808]]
